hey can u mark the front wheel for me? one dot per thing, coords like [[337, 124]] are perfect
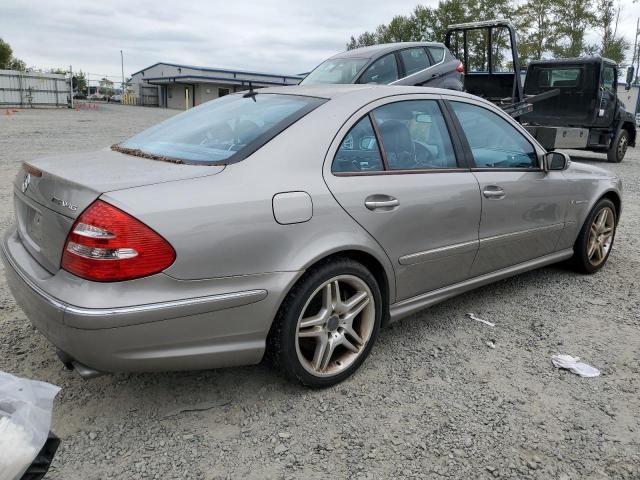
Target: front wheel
[[593, 246], [618, 147], [328, 324]]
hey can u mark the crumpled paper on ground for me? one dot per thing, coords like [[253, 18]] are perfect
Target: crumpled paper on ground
[[574, 365]]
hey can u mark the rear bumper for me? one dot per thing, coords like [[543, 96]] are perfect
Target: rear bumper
[[181, 329]]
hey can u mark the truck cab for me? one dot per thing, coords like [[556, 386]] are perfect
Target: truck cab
[[586, 113]]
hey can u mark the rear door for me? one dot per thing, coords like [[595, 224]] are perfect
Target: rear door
[[523, 207], [396, 171]]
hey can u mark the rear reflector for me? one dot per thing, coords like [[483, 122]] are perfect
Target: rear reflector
[[460, 68], [109, 245]]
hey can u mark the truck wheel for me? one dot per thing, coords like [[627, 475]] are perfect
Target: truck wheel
[[618, 147]]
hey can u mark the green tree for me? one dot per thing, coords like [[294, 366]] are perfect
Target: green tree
[[536, 26], [106, 87], [572, 19], [612, 45], [6, 54], [7, 60], [80, 82]]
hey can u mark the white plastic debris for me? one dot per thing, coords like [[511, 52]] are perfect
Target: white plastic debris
[[17, 451], [574, 365], [25, 419], [486, 322]]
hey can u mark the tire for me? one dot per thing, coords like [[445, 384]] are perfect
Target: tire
[[584, 260], [618, 147], [296, 349]]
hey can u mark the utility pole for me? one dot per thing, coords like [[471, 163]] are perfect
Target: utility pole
[[636, 53], [122, 66], [71, 85]]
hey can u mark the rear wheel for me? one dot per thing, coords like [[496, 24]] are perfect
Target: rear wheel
[[618, 147], [593, 246], [328, 324]]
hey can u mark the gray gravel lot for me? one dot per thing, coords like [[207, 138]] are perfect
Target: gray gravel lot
[[432, 401]]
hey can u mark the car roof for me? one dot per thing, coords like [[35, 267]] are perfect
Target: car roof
[[383, 48], [366, 92]]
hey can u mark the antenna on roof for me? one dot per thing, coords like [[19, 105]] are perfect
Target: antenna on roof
[[251, 93]]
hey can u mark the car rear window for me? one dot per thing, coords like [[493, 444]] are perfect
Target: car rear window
[[559, 77], [222, 131]]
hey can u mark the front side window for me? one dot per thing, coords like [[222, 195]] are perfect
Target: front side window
[[359, 150], [382, 71], [494, 142], [414, 59], [609, 78], [336, 70], [414, 135], [221, 131]]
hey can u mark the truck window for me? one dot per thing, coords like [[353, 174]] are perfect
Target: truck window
[[559, 77], [609, 78]]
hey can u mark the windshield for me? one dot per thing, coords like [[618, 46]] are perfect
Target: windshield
[[336, 70], [221, 131]]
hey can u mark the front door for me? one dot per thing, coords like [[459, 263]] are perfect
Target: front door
[[608, 95], [523, 207], [396, 173]]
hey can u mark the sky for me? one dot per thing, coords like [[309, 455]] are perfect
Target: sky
[[285, 37]]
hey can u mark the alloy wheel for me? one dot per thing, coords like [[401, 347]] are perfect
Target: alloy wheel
[[600, 236], [335, 325]]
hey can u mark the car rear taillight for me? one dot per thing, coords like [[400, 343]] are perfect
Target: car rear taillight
[[109, 245], [460, 68]]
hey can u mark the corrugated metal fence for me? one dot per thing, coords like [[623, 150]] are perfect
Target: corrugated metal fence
[[32, 89]]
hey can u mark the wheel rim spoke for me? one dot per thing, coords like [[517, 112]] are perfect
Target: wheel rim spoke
[[327, 354], [353, 313], [352, 333], [318, 354]]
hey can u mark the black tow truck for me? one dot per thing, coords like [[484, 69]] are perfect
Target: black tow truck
[[564, 103]]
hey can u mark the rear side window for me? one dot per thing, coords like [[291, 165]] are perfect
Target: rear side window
[[382, 71], [359, 150], [415, 136], [437, 53], [414, 59], [493, 141], [221, 131]]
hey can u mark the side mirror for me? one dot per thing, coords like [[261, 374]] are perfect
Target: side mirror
[[556, 161], [629, 78]]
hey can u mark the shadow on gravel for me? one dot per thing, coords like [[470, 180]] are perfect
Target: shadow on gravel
[[174, 394]]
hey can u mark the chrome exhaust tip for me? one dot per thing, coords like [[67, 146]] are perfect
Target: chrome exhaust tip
[[72, 364]]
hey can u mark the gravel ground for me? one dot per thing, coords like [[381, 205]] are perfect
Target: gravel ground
[[434, 400]]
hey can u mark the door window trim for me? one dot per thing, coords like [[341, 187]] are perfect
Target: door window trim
[[458, 149], [468, 154]]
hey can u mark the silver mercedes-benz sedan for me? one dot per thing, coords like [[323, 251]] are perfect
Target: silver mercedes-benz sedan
[[291, 223]]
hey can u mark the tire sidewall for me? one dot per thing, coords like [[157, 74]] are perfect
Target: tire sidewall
[[613, 153], [582, 245], [292, 308]]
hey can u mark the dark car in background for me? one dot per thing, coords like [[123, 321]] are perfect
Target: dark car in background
[[405, 63]]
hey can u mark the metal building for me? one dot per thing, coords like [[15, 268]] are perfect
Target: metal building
[[184, 86], [33, 89]]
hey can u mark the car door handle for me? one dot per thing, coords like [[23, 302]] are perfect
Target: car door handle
[[376, 202], [493, 192]]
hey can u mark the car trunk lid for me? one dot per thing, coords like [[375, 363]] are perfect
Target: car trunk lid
[[50, 193]]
